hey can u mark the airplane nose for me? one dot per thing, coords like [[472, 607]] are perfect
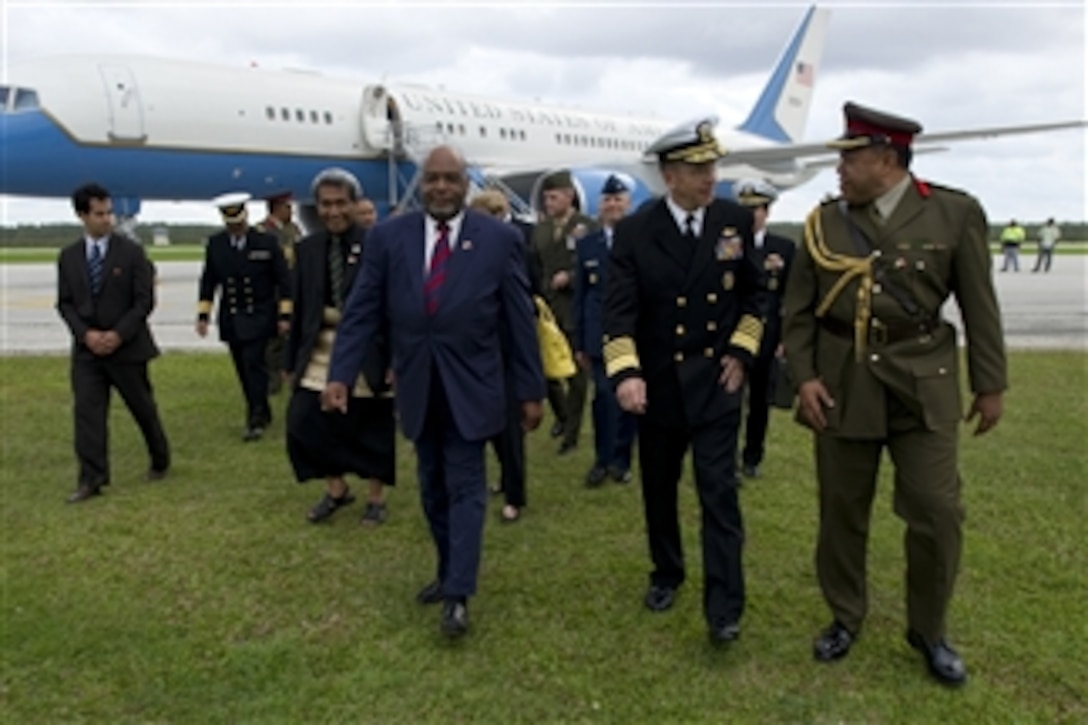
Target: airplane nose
[[29, 164]]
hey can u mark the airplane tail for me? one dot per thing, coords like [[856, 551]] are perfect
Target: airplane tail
[[781, 112]]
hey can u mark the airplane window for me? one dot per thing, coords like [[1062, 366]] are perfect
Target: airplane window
[[502, 133], [438, 125], [300, 115], [313, 116], [461, 129], [483, 132], [4, 93], [271, 113], [521, 135], [285, 114], [449, 128], [328, 118], [24, 99]]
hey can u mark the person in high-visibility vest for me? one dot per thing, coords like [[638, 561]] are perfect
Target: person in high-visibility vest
[[1012, 237]]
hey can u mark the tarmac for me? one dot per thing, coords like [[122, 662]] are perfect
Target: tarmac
[[1039, 311]]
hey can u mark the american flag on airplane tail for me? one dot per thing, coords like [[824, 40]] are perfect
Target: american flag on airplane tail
[[804, 73]]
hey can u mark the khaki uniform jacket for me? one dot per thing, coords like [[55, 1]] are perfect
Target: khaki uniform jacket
[[933, 246], [554, 253]]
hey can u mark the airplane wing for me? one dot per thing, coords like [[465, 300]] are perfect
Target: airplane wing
[[811, 153]]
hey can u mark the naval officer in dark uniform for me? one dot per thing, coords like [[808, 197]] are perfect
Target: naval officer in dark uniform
[[254, 304], [683, 321], [877, 368], [775, 254]]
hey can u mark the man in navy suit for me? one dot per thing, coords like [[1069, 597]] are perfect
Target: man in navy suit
[[613, 428], [449, 283], [777, 255]]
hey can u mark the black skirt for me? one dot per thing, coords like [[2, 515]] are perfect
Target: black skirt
[[362, 441]]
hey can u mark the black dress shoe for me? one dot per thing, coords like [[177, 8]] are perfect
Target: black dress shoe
[[750, 470], [944, 664], [430, 594], [557, 429], [658, 599], [253, 433], [454, 618], [566, 448], [156, 474], [84, 492], [833, 643], [619, 475], [724, 632], [596, 476]]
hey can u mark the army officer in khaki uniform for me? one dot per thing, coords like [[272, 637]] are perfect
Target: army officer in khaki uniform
[[553, 250], [877, 368]]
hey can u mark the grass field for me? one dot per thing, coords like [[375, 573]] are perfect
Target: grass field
[[209, 599]]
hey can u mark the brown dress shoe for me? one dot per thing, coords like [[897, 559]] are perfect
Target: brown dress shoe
[[84, 492]]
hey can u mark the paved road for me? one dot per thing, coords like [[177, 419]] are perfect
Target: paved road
[[1039, 310]]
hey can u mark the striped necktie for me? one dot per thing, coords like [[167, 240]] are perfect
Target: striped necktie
[[95, 266], [436, 275], [336, 272]]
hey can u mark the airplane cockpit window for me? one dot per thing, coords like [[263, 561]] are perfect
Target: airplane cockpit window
[[25, 99], [4, 93]]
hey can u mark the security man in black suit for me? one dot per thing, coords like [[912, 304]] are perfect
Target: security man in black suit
[[776, 254], [683, 321], [104, 294], [250, 268]]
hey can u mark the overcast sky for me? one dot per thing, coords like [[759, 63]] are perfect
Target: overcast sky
[[951, 65]]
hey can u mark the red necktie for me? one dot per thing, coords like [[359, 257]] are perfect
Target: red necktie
[[436, 275]]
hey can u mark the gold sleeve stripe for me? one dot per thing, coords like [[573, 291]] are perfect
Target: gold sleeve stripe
[[745, 342], [285, 307], [750, 326], [204, 307], [748, 334], [620, 355]]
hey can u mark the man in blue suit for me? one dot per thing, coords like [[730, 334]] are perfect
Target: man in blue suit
[[449, 283], [613, 428]]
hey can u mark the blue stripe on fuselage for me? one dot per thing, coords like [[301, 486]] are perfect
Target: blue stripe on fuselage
[[39, 159]]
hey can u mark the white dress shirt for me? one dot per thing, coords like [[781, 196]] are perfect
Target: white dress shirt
[[102, 242], [681, 217]]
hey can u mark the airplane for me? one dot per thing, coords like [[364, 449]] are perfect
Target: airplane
[[157, 129]]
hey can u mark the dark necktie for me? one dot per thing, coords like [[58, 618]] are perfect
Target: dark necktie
[[436, 275], [689, 228], [336, 272], [95, 265], [238, 242]]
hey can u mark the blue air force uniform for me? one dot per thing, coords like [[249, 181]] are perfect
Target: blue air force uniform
[[613, 428]]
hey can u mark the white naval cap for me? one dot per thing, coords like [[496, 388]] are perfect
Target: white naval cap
[[692, 143], [232, 206], [754, 192]]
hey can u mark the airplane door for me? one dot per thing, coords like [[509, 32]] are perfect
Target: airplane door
[[126, 108]]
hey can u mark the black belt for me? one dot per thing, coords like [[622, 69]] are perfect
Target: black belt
[[881, 333]]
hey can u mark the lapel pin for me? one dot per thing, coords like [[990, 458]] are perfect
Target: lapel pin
[[467, 245]]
